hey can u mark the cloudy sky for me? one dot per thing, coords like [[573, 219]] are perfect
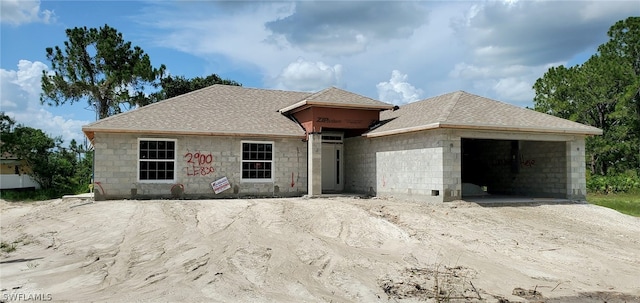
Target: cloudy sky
[[394, 51]]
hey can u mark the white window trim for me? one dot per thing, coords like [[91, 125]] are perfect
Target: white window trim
[[175, 161], [273, 162]]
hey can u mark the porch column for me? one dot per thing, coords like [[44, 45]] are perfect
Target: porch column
[[314, 148]]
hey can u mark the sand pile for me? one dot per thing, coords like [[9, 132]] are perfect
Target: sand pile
[[318, 250]]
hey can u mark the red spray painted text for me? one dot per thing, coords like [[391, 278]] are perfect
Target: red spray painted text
[[199, 164]]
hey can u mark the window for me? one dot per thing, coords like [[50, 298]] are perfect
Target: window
[[156, 160], [257, 161], [331, 138]]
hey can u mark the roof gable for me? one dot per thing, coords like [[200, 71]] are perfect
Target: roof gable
[[339, 98], [464, 110]]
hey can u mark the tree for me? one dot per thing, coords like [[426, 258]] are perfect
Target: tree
[[603, 92], [57, 169], [76, 149], [6, 123], [35, 148], [175, 86], [99, 66]]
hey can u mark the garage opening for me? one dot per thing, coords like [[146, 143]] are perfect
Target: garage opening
[[535, 169]]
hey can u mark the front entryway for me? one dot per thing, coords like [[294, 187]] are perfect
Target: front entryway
[[332, 163]]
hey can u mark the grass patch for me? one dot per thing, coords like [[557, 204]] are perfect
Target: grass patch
[[28, 195], [626, 203]]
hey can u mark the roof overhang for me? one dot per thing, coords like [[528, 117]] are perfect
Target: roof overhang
[[304, 104], [90, 133], [547, 130]]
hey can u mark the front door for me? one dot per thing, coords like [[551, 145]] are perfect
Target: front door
[[332, 167]]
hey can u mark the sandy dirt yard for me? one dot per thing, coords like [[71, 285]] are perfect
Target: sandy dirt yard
[[342, 249]]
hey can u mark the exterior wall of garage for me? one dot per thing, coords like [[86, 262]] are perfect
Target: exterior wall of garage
[[576, 169], [549, 165], [534, 168], [425, 165], [116, 170], [414, 165], [543, 170]]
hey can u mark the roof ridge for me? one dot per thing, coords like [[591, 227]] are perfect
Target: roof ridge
[[449, 110], [535, 112], [356, 94], [265, 89], [520, 108], [311, 95]]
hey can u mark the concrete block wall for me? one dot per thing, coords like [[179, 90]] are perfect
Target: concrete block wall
[[542, 170], [410, 172], [576, 169], [116, 168], [360, 165], [572, 146], [452, 165], [406, 165], [540, 167]]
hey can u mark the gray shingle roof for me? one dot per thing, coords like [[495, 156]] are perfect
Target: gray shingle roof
[[233, 110], [217, 109], [336, 97], [463, 110]]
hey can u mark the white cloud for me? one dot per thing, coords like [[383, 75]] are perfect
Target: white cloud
[[493, 48], [599, 11], [470, 71], [17, 12], [512, 83], [397, 90], [538, 32], [514, 88], [19, 95], [238, 37], [510, 44], [234, 31], [304, 75]]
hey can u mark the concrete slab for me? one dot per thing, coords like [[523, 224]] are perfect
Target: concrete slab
[[500, 200]]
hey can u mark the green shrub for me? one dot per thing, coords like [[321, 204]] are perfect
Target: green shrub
[[620, 183]]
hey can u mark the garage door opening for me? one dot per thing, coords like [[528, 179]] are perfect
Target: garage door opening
[[536, 169]]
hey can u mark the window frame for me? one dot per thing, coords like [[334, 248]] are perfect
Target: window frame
[[175, 161], [272, 161]]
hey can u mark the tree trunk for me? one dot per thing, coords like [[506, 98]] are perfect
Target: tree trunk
[[104, 109]]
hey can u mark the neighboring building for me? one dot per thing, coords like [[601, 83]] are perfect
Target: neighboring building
[[282, 143], [14, 173]]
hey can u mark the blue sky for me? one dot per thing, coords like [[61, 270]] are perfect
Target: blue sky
[[397, 51]]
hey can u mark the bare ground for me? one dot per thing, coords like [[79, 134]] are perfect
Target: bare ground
[[318, 250]]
